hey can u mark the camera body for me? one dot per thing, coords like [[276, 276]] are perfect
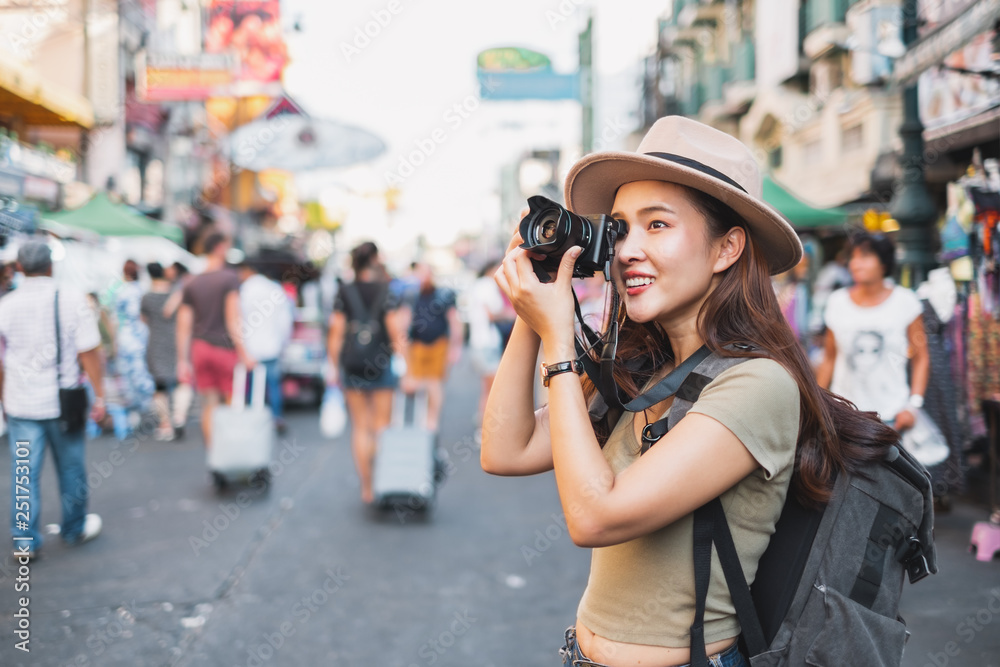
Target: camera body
[[549, 229]]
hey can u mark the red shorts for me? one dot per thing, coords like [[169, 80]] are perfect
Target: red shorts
[[213, 367]]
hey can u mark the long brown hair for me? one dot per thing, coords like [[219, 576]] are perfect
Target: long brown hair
[[834, 436]]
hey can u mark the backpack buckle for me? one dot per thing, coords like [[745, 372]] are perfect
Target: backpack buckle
[[649, 438], [911, 554]]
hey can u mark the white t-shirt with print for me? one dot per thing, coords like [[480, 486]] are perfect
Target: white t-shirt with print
[[871, 365]]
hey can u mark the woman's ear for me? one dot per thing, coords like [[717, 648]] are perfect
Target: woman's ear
[[730, 248]]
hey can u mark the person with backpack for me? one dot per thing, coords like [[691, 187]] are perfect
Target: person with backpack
[[363, 329], [704, 417]]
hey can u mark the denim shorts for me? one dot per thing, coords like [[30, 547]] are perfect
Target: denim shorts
[[387, 380], [573, 657]]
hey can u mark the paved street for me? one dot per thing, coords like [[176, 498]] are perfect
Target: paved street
[[305, 575]]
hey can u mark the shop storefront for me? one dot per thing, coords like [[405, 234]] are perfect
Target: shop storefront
[[955, 66], [31, 181]]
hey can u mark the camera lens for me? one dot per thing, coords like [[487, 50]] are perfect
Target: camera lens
[[547, 229]]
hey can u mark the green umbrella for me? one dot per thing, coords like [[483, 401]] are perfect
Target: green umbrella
[[103, 216], [800, 214]]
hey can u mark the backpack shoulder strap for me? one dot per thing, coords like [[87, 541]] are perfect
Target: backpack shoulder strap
[[710, 524], [358, 307], [685, 383]]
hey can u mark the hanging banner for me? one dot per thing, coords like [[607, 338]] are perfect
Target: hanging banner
[[251, 30], [174, 77], [512, 73], [933, 48]]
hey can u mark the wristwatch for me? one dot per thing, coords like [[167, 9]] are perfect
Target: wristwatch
[[550, 370], [916, 401]]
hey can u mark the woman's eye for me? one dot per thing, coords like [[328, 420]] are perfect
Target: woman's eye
[[657, 224]]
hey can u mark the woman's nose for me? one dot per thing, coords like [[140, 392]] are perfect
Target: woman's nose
[[630, 248]]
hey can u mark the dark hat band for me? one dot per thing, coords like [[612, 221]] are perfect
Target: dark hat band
[[703, 168]]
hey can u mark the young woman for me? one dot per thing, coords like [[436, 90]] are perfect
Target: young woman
[[872, 327], [368, 389], [693, 270], [131, 338]]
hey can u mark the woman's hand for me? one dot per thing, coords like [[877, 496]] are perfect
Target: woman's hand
[[546, 307]]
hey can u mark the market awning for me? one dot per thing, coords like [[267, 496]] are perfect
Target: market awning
[[800, 214], [107, 218], [26, 95]]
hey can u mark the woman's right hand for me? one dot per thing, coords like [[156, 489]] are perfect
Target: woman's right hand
[[545, 307]]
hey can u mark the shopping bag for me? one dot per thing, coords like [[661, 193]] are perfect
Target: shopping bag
[[332, 413], [925, 441]]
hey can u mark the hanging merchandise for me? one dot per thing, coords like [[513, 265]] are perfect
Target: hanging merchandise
[[939, 297], [957, 224]]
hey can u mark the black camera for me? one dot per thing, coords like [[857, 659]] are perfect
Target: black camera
[[551, 230]]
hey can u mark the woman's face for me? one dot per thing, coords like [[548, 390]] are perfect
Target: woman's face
[[865, 267], [665, 266]]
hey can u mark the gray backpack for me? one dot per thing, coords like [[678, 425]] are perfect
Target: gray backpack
[[827, 588]]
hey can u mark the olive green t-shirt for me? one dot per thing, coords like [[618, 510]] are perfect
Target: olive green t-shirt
[[642, 591]]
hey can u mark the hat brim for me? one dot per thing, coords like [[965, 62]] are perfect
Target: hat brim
[[593, 182]]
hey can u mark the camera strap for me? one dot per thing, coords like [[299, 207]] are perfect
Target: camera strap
[[601, 373], [606, 346]]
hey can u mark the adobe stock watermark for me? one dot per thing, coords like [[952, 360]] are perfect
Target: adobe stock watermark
[[24, 39], [435, 647], [364, 35], [230, 512], [592, 490], [445, 466], [111, 630], [611, 131], [545, 538], [967, 630], [262, 652], [424, 147], [563, 11]]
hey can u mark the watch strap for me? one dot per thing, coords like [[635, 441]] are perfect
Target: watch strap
[[550, 370]]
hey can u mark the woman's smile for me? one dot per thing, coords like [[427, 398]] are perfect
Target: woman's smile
[[636, 283]]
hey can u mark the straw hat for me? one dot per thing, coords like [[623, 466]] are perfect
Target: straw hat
[[683, 151]]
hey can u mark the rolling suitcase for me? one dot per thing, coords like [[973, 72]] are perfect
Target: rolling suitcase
[[404, 474], [242, 435]]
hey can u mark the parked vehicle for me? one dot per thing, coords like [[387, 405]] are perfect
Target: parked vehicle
[[304, 360]]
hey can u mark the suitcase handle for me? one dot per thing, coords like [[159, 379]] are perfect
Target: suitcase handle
[[240, 387], [399, 402]]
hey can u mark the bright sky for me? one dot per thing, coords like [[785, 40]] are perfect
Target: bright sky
[[418, 75]]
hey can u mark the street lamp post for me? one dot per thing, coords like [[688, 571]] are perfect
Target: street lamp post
[[911, 205]]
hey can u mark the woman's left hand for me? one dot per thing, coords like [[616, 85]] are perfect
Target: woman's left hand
[[904, 421], [546, 307]]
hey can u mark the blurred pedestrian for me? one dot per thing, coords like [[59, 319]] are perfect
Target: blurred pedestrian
[[161, 352], [435, 340], [792, 289], [209, 339], [485, 304], [7, 277], [131, 339], [30, 397], [364, 331], [873, 328], [831, 277], [267, 319], [178, 276]]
